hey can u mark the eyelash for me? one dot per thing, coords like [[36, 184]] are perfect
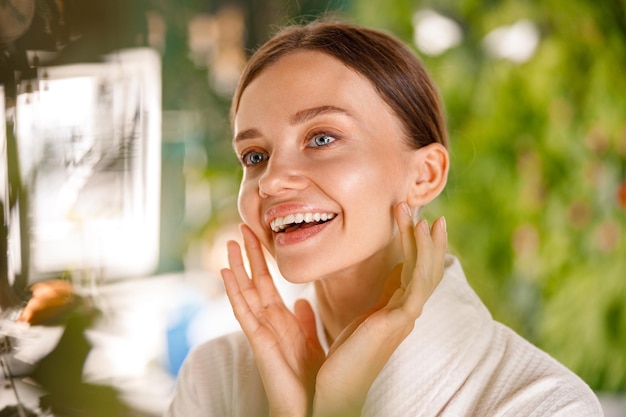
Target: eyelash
[[247, 154], [314, 135]]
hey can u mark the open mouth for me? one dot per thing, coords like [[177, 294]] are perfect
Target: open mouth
[[299, 221]]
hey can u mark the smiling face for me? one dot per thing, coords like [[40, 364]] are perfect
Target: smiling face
[[325, 161]]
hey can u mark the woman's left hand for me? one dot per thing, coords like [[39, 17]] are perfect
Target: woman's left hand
[[361, 351]]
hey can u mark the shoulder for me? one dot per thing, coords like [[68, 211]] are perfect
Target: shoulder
[[227, 348], [214, 375], [221, 361], [528, 381], [489, 369], [511, 376]]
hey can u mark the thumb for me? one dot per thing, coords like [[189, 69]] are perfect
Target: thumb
[[393, 282], [305, 316]]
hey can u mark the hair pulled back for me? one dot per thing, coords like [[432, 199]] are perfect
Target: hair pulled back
[[394, 70]]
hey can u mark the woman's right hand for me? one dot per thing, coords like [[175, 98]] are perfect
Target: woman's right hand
[[285, 345]]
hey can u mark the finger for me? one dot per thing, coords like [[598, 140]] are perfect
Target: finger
[[423, 282], [432, 249], [440, 242], [425, 249], [243, 313], [306, 318], [244, 284], [245, 303], [254, 251], [392, 283], [235, 262], [407, 238], [261, 276]]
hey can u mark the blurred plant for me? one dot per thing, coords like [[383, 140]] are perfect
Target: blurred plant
[[535, 200]]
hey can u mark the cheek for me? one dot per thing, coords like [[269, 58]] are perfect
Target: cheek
[[370, 183], [248, 205]]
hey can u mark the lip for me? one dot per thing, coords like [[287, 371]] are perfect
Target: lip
[[300, 235]]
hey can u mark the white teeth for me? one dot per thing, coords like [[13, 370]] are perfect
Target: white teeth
[[278, 222], [281, 223]]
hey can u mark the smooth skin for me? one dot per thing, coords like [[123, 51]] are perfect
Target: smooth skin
[[326, 142], [296, 373]]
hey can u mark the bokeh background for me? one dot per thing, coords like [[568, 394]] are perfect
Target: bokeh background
[[535, 97]]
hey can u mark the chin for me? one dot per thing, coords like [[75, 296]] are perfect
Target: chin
[[296, 278], [294, 274]]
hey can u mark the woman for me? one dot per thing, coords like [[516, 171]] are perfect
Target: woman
[[342, 140]]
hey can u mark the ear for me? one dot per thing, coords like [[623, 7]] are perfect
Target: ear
[[430, 165]]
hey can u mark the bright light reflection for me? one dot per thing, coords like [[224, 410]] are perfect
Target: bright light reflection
[[434, 33], [516, 42], [89, 146]]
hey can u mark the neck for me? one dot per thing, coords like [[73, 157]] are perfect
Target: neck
[[357, 290]]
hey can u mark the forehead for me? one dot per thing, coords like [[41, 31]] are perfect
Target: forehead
[[306, 79]]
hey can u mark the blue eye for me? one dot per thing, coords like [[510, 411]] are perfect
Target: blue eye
[[321, 140], [252, 158]]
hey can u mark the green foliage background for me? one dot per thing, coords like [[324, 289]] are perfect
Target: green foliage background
[[538, 158]]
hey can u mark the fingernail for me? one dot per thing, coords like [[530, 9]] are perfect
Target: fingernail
[[424, 227], [443, 225], [406, 208]]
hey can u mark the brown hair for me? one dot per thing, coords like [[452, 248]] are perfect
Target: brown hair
[[393, 69]]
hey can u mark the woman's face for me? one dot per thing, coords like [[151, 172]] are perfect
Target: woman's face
[[325, 162]]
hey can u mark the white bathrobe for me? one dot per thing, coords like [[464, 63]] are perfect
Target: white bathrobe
[[457, 362]]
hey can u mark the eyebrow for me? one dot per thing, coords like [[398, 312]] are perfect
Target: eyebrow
[[298, 118], [308, 114]]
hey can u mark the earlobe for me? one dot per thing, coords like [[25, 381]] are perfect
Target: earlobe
[[429, 174]]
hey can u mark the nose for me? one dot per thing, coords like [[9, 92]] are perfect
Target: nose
[[281, 176]]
